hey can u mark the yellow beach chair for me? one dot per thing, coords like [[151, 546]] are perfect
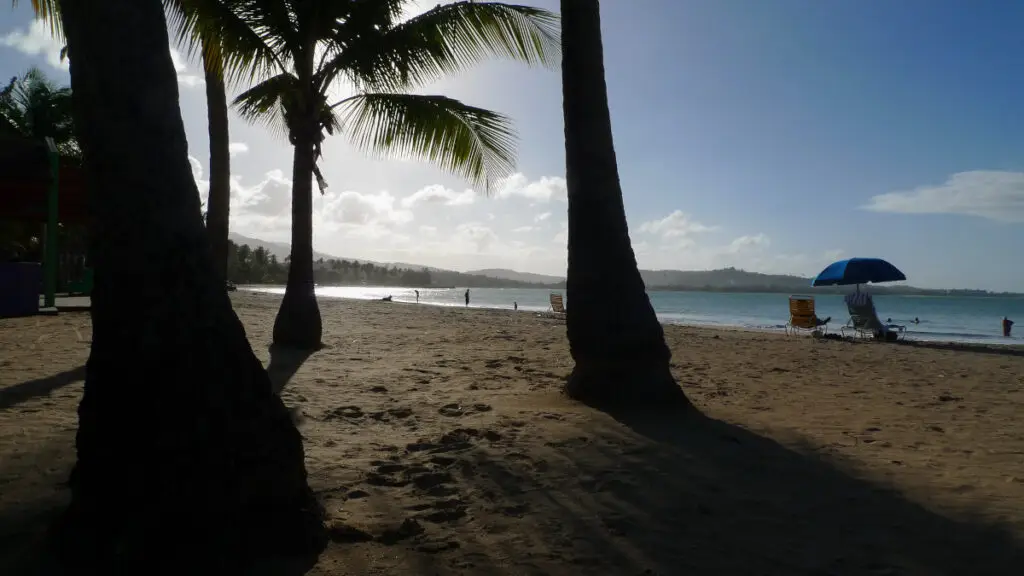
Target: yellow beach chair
[[802, 317], [557, 305]]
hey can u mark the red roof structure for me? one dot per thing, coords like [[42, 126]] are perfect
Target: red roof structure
[[25, 183]]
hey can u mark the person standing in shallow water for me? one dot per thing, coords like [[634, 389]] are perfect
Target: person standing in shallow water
[[417, 296], [467, 297], [1007, 326]]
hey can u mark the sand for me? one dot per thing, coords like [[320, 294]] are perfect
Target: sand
[[440, 443]]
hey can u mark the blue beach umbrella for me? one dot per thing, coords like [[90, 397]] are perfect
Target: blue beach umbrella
[[858, 271]]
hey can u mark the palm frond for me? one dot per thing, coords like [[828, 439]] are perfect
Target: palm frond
[[269, 102], [34, 107], [470, 142], [448, 39], [232, 48], [275, 23], [48, 11]]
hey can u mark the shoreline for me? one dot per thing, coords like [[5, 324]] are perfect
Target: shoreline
[[913, 337]]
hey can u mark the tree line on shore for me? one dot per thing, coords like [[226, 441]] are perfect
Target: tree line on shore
[[248, 265]]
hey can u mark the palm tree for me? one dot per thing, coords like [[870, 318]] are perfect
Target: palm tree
[[614, 337], [35, 108], [211, 28], [177, 411], [311, 45]]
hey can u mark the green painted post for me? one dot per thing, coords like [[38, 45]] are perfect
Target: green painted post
[[50, 263]]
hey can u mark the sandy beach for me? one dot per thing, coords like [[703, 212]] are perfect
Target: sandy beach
[[440, 443]]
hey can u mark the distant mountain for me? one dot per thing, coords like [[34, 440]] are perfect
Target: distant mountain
[[726, 278], [505, 274], [280, 249], [722, 280]]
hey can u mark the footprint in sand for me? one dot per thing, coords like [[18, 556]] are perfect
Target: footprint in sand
[[387, 415], [400, 412], [455, 410], [407, 529], [351, 412]]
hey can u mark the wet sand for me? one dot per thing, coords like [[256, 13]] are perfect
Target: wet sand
[[440, 443]]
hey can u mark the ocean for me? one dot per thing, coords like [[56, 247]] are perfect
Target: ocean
[[942, 318]]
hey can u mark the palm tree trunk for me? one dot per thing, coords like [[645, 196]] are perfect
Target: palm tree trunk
[[218, 204], [298, 324], [180, 438], [614, 336]]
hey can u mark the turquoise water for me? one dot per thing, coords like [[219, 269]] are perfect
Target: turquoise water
[[953, 319]]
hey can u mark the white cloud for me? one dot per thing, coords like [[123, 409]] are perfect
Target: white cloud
[[380, 226], [184, 77], [237, 148], [439, 195], [834, 254], [365, 209], [36, 40], [197, 172], [562, 237], [477, 235], [543, 190], [678, 224], [745, 243], [992, 194], [270, 198]]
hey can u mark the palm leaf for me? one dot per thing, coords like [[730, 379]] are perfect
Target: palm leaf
[[230, 43], [470, 142], [48, 11], [447, 39], [269, 102], [32, 106]]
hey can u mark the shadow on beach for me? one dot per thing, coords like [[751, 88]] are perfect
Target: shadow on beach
[[284, 363], [14, 395], [675, 493], [999, 350]]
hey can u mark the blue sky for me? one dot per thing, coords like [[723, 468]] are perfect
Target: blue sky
[[771, 136]]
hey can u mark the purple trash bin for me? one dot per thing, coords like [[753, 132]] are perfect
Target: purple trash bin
[[19, 288]]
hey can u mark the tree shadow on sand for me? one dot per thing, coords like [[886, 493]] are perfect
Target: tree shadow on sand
[[284, 363], [14, 395], [681, 493], [36, 484], [998, 350]]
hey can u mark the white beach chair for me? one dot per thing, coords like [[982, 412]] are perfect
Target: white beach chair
[[864, 322]]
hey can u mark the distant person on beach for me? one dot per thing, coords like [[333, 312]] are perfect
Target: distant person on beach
[[417, 296], [467, 297], [515, 306], [1007, 326]]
